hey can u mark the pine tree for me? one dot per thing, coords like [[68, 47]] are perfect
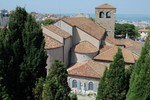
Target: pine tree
[[112, 85], [56, 86], [139, 87]]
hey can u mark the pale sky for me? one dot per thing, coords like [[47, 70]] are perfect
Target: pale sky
[[77, 6]]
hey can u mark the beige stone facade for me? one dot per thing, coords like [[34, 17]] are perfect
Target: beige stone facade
[[106, 18]]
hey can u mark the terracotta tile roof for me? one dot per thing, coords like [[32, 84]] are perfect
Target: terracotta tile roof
[[51, 43], [106, 6], [85, 47], [87, 69], [109, 54], [105, 48], [113, 41], [86, 25], [135, 57], [144, 30], [57, 31], [134, 46]]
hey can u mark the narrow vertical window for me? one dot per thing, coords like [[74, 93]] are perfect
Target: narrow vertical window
[[74, 83], [90, 85], [101, 15], [108, 15]]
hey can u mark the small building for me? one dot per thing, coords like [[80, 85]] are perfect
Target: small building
[[143, 34]]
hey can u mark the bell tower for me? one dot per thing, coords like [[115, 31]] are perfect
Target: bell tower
[[105, 17]]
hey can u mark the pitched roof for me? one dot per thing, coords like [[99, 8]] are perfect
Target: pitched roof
[[109, 54], [86, 25], [129, 44], [134, 46], [144, 30], [106, 6], [85, 47], [87, 69], [114, 41], [57, 31], [51, 43]]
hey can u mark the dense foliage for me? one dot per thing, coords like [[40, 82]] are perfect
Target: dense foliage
[[56, 86], [22, 56], [139, 87], [47, 22], [112, 85], [123, 29]]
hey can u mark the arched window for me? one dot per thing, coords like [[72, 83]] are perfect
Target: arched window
[[101, 15], [90, 85], [108, 15], [74, 83]]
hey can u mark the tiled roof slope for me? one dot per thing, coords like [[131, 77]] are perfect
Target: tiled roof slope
[[132, 45], [86, 25], [114, 41], [51, 43], [106, 6], [85, 47], [109, 54], [144, 30], [57, 31], [87, 69], [128, 43]]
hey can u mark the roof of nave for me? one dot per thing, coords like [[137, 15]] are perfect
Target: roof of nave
[[57, 31], [85, 47], [86, 25], [106, 6], [90, 68], [109, 53], [51, 43]]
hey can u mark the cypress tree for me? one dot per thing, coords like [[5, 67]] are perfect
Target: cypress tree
[[102, 86], [22, 55], [139, 87], [112, 85], [56, 86]]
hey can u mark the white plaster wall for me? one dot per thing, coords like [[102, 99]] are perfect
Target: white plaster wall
[[64, 26], [83, 80], [79, 35], [53, 35], [77, 57], [67, 47], [54, 54]]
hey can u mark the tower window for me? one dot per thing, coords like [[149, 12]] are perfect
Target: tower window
[[101, 15], [108, 15]]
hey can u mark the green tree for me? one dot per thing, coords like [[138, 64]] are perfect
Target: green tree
[[139, 87], [102, 86], [73, 96], [124, 29], [56, 86], [47, 22], [37, 91], [112, 85], [22, 56]]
